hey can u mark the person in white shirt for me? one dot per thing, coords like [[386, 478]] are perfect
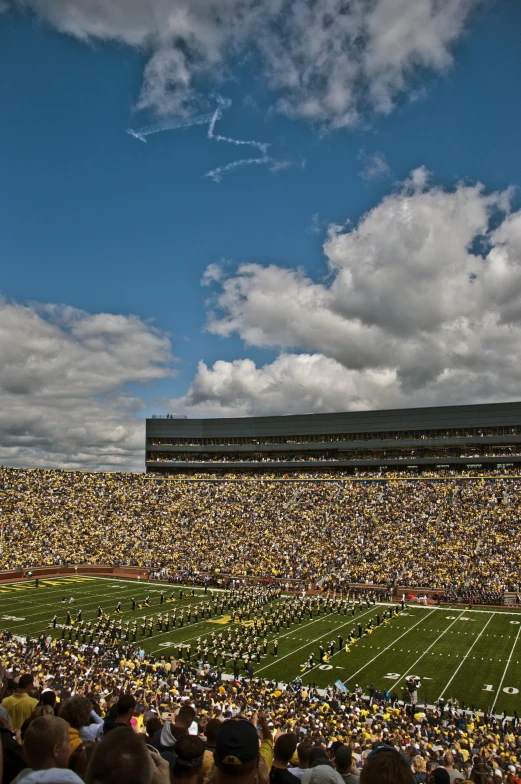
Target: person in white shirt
[[303, 750]]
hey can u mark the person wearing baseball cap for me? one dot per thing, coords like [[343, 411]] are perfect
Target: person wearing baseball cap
[[238, 756]]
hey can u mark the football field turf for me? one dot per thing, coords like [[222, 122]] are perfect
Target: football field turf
[[471, 655]]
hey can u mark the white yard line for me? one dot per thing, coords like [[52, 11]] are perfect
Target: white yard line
[[465, 657], [382, 626], [26, 603], [160, 583], [152, 585], [310, 642], [274, 635], [191, 626], [505, 670], [389, 646], [17, 595], [125, 617], [438, 638], [80, 603], [94, 600]]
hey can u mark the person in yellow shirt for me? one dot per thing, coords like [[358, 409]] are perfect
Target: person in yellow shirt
[[211, 731], [20, 705]]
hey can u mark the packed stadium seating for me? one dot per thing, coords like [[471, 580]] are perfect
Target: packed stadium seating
[[138, 698], [374, 454], [455, 535], [447, 532]]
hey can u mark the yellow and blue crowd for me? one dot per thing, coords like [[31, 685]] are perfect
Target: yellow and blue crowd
[[448, 534], [88, 677], [150, 698]]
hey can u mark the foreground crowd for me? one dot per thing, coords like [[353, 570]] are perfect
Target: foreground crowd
[[453, 534], [66, 716]]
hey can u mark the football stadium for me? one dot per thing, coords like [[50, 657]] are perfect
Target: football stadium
[[260, 392], [355, 576]]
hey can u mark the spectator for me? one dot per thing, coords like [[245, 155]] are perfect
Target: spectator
[[123, 757], [48, 697], [11, 750], [419, 769], [266, 748], [344, 764], [303, 750], [120, 714], [20, 705], [152, 725], [165, 737], [40, 710], [77, 711], [321, 771], [448, 764], [440, 776], [47, 750], [386, 765], [189, 756], [211, 731], [283, 750], [80, 758], [237, 755]]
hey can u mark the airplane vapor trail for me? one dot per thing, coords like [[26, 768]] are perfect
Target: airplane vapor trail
[[210, 120], [216, 174], [169, 124]]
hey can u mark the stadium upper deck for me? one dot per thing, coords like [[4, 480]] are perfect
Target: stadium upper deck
[[476, 435]]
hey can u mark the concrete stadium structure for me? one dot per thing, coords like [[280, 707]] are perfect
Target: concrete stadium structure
[[473, 435]]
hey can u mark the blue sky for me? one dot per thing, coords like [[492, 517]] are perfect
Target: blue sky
[[94, 220]]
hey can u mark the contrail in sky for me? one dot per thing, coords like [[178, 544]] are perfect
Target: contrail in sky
[[173, 123], [215, 174], [169, 124]]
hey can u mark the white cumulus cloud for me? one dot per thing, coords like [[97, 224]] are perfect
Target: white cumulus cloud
[[421, 306], [65, 400], [323, 58], [293, 383]]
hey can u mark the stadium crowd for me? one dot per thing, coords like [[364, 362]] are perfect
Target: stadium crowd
[[94, 707], [328, 438], [452, 534], [330, 456], [70, 714]]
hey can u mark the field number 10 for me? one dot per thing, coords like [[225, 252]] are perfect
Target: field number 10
[[507, 689]]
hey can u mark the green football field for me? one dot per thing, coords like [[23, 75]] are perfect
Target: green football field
[[473, 656]]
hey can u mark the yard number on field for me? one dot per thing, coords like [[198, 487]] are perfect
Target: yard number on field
[[506, 689], [394, 676]]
